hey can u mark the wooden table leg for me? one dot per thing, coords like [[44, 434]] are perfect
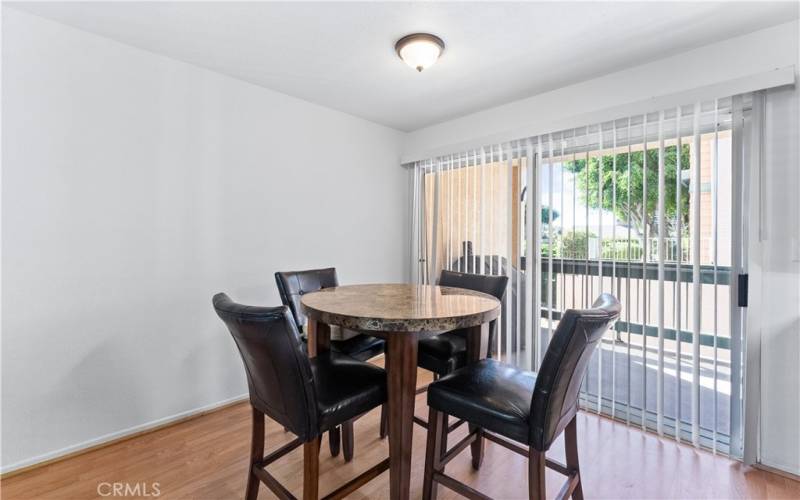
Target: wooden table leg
[[477, 348], [319, 337], [477, 342], [401, 364]]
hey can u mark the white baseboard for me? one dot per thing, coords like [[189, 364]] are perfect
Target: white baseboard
[[116, 436], [784, 470]]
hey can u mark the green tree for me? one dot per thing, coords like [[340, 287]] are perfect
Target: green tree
[[548, 212], [630, 199]]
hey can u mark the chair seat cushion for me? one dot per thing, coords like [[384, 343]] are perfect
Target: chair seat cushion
[[345, 388], [489, 394], [361, 347], [443, 353]]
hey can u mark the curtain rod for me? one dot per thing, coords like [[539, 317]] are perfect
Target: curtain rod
[[778, 77], [496, 152]]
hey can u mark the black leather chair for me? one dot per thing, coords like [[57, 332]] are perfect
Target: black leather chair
[[307, 396], [447, 352], [292, 285], [526, 407]]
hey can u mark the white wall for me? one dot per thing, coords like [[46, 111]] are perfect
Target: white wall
[[611, 96], [734, 58], [135, 187]]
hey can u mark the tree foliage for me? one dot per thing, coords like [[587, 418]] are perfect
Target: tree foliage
[[630, 187]]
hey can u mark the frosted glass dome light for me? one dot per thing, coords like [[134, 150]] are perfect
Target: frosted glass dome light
[[419, 50]]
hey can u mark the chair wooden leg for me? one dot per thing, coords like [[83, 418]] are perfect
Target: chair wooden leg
[[571, 445], [477, 447], [347, 440], [311, 469], [384, 422], [256, 454], [333, 441], [536, 466], [433, 453], [478, 342], [445, 432], [445, 425]]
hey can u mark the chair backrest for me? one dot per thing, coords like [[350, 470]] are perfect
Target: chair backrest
[[292, 285], [489, 284], [279, 375], [555, 395], [492, 285]]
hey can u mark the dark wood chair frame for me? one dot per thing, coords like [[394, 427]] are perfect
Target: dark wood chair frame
[[437, 457], [258, 463]]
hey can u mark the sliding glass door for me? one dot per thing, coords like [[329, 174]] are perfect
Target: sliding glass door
[[644, 208]]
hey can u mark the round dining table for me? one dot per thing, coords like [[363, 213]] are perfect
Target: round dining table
[[402, 314]]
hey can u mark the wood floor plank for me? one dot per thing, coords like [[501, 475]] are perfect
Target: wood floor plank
[[206, 458]]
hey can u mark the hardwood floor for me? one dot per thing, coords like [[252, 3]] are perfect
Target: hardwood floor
[[206, 458]]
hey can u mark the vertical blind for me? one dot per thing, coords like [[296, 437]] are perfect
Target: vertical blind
[[644, 207]]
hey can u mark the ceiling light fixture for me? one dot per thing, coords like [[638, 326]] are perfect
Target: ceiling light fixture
[[419, 50]]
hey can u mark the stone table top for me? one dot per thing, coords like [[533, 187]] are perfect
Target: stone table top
[[400, 307]]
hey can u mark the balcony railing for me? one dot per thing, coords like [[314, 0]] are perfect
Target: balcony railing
[[618, 270], [639, 271]]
